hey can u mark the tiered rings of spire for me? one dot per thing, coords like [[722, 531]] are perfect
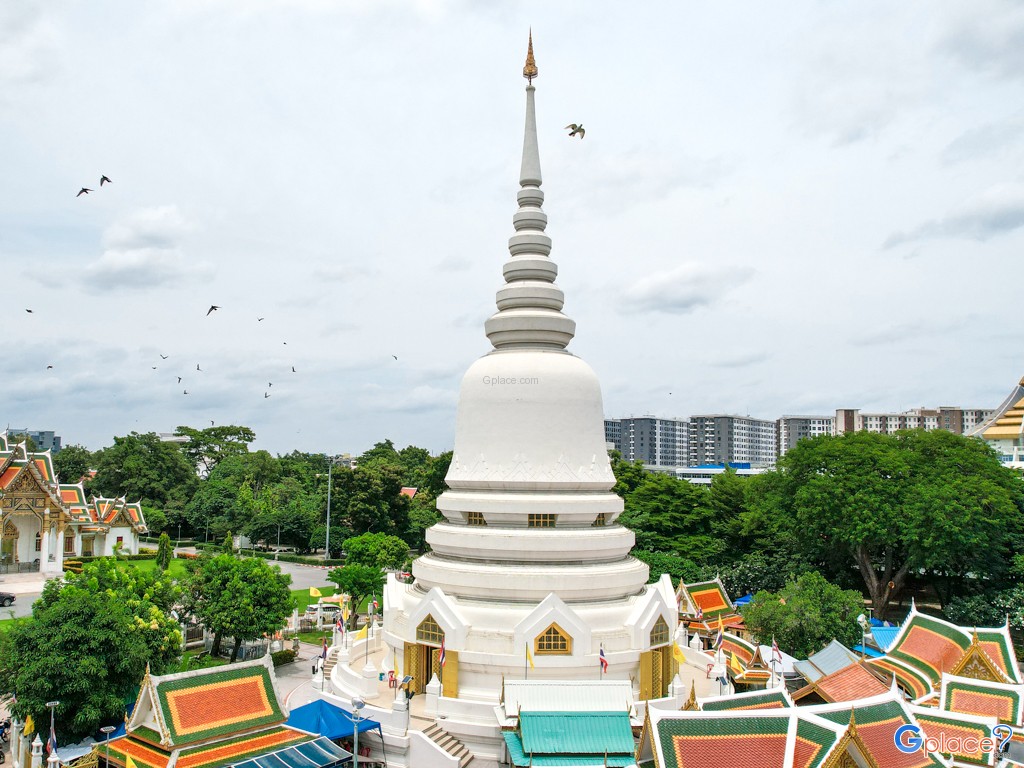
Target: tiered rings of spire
[[529, 305]]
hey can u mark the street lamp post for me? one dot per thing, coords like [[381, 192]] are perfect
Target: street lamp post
[[107, 730], [330, 467], [357, 705]]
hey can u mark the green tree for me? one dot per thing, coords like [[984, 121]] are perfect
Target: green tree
[[213, 507], [629, 475], [679, 568], [155, 519], [206, 448], [72, 463], [238, 598], [163, 552], [805, 615], [87, 645], [145, 468], [377, 550], [894, 505], [228, 545], [422, 515], [358, 581], [670, 515]]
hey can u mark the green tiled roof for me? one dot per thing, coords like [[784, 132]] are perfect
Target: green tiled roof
[[576, 733], [763, 700], [872, 713], [522, 759], [816, 734]]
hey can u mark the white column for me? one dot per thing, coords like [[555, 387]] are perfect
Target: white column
[[432, 692], [44, 541]]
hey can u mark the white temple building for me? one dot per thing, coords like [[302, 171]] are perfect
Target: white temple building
[[530, 575]]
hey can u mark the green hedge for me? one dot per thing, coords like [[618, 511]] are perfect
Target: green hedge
[[287, 656], [90, 558]]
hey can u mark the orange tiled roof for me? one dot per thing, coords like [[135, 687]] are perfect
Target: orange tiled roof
[[849, 683]]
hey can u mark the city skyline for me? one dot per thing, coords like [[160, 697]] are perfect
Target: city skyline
[[767, 215]]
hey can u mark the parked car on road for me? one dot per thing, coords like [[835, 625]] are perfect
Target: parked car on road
[[7, 599]]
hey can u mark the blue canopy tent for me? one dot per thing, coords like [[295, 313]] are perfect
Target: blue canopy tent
[[325, 719]]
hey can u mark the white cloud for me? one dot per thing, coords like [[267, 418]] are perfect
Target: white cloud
[[998, 210], [142, 252], [683, 289]]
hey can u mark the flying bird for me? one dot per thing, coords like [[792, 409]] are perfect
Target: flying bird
[[83, 191], [260, 319], [185, 392], [198, 368], [270, 384], [211, 309], [211, 422], [29, 311], [154, 367], [395, 356], [179, 379], [576, 129], [163, 357], [266, 395], [293, 369], [49, 367], [105, 180]]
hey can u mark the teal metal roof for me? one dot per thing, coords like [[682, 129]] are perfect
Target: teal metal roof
[[576, 733], [521, 759]]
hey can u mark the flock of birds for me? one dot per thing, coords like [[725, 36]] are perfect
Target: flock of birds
[[86, 190], [575, 129]]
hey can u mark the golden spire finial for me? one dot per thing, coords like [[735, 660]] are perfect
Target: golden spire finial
[[530, 70]]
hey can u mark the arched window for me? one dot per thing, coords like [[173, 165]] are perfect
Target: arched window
[[39, 543], [553, 641], [429, 631], [659, 633]]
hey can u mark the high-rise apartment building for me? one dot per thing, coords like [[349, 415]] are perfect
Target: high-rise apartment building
[[791, 429], [949, 418], [656, 442], [717, 438]]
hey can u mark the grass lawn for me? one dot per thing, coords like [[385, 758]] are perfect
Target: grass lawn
[[302, 598], [177, 569]]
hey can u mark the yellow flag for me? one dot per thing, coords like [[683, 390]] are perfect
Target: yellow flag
[[734, 665], [314, 592], [30, 726], [344, 613], [529, 657], [362, 633], [129, 763], [677, 653]]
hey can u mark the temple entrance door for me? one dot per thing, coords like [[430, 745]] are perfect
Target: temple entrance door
[[9, 544], [87, 545], [417, 664]]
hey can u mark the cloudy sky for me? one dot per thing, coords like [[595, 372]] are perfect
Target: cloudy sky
[[776, 209]]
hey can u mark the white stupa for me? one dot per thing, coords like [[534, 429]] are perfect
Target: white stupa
[[529, 574]]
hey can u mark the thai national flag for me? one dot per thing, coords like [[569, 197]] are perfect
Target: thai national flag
[[323, 648], [603, 660], [700, 613], [375, 605], [440, 655], [776, 653], [340, 625]]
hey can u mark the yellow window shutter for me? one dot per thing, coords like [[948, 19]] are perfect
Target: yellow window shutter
[[450, 675], [411, 663], [646, 664]]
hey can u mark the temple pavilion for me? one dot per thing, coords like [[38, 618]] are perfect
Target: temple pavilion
[[44, 521]]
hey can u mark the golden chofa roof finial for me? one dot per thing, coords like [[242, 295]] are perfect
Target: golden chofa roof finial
[[530, 70]]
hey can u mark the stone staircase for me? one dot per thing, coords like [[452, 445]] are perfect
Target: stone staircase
[[449, 744], [330, 662]]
